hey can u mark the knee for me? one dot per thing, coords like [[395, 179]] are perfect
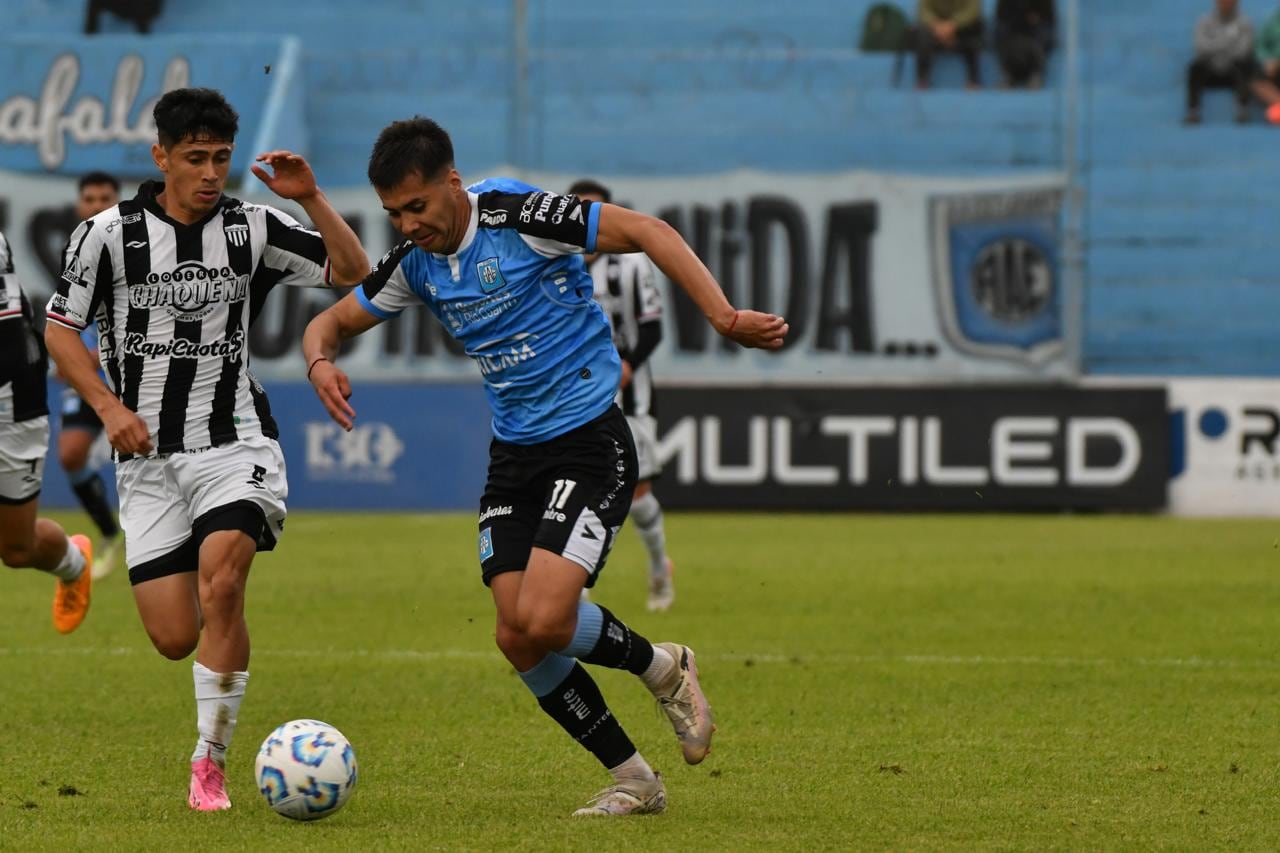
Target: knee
[[221, 587], [71, 459], [174, 645], [511, 640], [547, 632]]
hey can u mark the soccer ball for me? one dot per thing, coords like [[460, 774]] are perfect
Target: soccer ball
[[306, 770]]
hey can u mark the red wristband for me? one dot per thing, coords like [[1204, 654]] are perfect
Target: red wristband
[[313, 364], [734, 323]]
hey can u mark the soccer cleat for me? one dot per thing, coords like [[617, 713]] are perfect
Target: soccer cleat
[[662, 589], [208, 791], [71, 600], [107, 560], [682, 700], [618, 801]]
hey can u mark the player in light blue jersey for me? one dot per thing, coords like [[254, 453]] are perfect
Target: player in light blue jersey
[[501, 268]]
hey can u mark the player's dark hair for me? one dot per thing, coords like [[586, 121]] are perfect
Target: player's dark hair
[[590, 187], [411, 145], [183, 114], [92, 179]]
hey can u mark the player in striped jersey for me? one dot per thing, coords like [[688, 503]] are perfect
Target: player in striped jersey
[[80, 427], [625, 289], [174, 278], [28, 542]]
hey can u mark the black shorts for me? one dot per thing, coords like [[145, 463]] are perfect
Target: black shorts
[[569, 495], [77, 414]]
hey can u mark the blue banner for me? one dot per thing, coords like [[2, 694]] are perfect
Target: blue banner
[[414, 447], [72, 105]]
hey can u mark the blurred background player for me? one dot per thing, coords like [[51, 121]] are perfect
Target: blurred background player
[[498, 270], [28, 542], [626, 290], [80, 424], [200, 474]]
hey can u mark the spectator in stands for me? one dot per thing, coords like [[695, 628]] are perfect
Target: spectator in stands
[[138, 12], [1025, 31], [1267, 53], [1224, 58], [953, 26]]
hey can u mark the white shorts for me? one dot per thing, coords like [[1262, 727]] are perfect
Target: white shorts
[[168, 504], [22, 449], [644, 430]]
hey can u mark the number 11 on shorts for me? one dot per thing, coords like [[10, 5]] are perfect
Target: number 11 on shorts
[[560, 494]]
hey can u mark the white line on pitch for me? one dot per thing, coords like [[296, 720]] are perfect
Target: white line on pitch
[[738, 657]]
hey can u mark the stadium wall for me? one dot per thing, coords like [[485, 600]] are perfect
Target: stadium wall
[[1176, 223]]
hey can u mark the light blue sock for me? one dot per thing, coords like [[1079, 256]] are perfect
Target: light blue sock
[[587, 634], [547, 674]]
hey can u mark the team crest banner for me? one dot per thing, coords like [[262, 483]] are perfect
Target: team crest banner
[[883, 277]]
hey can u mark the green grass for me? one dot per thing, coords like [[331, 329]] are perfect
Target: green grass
[[880, 682]]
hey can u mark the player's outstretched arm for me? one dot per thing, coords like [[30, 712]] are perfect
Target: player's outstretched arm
[[623, 230], [346, 318], [125, 430], [291, 177]]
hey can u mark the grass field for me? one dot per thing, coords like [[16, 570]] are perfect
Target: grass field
[[880, 682]]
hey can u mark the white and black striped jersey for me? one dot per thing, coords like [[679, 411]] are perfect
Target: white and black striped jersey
[[173, 304], [23, 362], [626, 290]]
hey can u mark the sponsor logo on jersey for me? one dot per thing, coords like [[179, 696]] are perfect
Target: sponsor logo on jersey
[[136, 343], [490, 275], [123, 220], [486, 544], [191, 291], [565, 201], [59, 304], [493, 218], [544, 206], [74, 273], [526, 210], [517, 351]]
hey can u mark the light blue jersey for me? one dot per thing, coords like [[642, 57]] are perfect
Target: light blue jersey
[[517, 296]]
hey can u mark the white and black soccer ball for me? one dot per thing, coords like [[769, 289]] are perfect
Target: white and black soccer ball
[[306, 770]]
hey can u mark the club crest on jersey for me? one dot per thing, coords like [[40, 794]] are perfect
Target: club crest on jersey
[[490, 276], [237, 234]]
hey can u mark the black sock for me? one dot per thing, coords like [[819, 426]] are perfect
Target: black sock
[[92, 493], [619, 647], [576, 704]]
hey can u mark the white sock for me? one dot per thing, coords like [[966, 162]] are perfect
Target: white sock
[[71, 564], [659, 670], [634, 770], [218, 696], [647, 514]]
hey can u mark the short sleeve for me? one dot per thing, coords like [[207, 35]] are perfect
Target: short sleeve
[[296, 251], [550, 224], [386, 291], [86, 270]]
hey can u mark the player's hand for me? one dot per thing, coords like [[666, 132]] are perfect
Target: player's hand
[[756, 329], [290, 177], [334, 389], [127, 432], [627, 373]]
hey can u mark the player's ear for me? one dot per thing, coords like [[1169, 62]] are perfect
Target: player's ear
[[455, 180], [160, 156]]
